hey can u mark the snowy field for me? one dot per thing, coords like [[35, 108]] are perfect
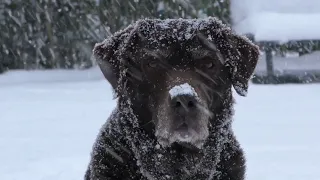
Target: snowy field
[[49, 120]]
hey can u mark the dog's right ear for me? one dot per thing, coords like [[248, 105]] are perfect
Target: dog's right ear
[[104, 54], [108, 55]]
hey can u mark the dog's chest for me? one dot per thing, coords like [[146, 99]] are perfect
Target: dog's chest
[[179, 167], [195, 167]]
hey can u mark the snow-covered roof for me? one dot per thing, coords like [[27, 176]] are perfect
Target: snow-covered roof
[[275, 20]]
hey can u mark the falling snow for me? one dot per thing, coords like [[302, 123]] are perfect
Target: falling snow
[[50, 119]]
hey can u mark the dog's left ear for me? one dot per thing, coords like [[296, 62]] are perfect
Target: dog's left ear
[[242, 62]]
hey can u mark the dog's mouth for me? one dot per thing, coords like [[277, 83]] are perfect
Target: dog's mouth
[[183, 127], [184, 135], [187, 147], [183, 132]]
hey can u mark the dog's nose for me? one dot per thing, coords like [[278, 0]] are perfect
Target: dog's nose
[[184, 104]]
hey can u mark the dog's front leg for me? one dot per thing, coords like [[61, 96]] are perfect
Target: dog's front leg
[[232, 165], [111, 160]]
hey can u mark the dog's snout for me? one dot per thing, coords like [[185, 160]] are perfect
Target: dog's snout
[[184, 104]]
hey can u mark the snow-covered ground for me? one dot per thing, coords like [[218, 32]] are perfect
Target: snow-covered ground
[[49, 120]]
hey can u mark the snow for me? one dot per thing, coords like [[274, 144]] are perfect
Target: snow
[[278, 127], [277, 20], [182, 89], [47, 128], [48, 125], [42, 76]]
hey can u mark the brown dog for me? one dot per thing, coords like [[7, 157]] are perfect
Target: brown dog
[[173, 80]]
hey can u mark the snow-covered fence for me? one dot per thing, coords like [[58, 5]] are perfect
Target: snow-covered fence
[[273, 23]]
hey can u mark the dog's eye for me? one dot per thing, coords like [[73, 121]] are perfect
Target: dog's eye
[[153, 64], [209, 65]]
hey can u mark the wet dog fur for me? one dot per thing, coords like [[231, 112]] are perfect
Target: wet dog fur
[[153, 134]]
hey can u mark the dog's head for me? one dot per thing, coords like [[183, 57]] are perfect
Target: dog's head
[[179, 72]]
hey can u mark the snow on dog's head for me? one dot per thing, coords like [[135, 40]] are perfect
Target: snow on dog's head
[[177, 73]]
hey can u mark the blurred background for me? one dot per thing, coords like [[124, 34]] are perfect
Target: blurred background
[[60, 34], [54, 99]]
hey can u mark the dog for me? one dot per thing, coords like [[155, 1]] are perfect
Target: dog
[[173, 82]]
